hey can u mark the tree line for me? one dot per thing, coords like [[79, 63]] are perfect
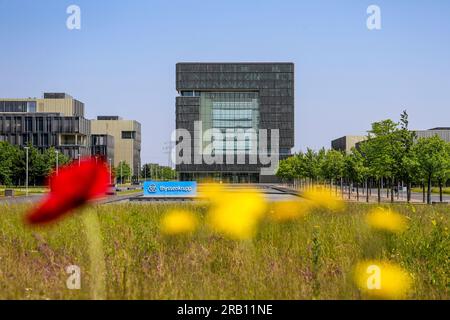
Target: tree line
[[40, 164], [390, 156]]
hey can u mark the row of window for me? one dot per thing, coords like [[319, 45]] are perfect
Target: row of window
[[238, 76], [41, 124], [17, 106]]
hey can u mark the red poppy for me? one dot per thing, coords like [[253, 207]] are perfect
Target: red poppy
[[75, 185]]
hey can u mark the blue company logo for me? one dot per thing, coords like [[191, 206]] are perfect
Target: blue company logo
[[152, 188], [170, 189]]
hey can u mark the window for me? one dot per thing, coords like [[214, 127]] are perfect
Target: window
[[128, 134], [190, 94], [31, 106]]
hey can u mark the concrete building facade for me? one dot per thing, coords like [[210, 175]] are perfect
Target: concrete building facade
[[346, 143], [441, 132], [234, 96], [127, 139]]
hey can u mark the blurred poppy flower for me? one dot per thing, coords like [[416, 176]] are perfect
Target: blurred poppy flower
[[75, 185]]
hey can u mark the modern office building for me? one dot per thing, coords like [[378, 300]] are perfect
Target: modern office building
[[230, 98], [57, 120], [442, 132], [127, 139], [346, 143]]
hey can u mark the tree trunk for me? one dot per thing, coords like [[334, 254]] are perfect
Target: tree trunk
[[423, 193], [440, 191], [367, 191], [408, 191], [342, 188], [357, 192], [429, 190], [350, 190], [379, 192], [392, 190]]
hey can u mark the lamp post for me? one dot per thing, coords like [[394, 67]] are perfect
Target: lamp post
[[110, 171], [121, 173], [79, 159], [57, 163], [26, 170]]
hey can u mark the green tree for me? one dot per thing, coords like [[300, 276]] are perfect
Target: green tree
[[407, 166], [7, 155], [332, 167], [287, 169], [312, 163], [355, 170], [381, 151], [432, 156], [123, 172]]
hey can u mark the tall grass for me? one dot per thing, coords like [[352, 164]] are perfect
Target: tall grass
[[311, 258]]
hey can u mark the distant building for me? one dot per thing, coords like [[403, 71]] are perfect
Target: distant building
[[127, 139], [346, 143], [442, 132], [57, 120], [230, 98]]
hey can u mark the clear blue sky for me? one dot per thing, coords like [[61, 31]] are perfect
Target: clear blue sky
[[122, 61]]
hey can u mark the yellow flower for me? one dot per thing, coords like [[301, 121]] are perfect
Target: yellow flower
[[289, 210], [212, 191], [387, 220], [324, 198], [382, 280], [236, 214], [178, 222]]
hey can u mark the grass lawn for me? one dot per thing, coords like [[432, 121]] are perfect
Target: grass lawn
[[433, 190], [311, 258], [21, 191], [126, 192]]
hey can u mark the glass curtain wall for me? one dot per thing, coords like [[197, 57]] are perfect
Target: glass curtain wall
[[233, 113]]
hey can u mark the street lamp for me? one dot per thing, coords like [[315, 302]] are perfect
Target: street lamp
[[110, 171], [121, 173], [26, 170], [79, 159], [57, 164]]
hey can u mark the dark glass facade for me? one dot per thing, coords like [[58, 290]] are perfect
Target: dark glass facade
[[45, 130], [102, 146], [233, 96]]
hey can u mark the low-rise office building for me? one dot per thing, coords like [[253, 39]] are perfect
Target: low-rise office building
[[346, 143], [57, 120], [127, 139], [441, 132]]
